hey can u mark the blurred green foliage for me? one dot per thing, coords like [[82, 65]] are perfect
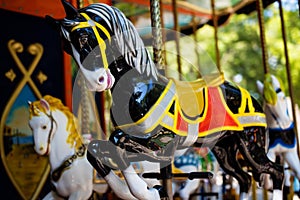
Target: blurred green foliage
[[241, 52]]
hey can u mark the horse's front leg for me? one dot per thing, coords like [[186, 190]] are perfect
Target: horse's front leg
[[138, 186], [252, 149], [126, 149], [94, 156]]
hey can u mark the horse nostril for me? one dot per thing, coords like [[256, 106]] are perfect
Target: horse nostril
[[101, 79]]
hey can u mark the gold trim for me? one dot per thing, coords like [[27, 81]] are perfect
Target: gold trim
[[36, 50], [41, 77], [11, 75]]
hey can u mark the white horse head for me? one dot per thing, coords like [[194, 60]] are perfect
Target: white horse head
[[42, 125], [277, 105]]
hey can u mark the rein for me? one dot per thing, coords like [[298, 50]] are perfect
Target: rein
[[50, 132]]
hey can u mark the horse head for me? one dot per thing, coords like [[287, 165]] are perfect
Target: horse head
[[87, 39], [42, 125], [277, 108]]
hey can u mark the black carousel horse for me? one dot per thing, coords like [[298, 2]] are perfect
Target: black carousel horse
[[155, 116]]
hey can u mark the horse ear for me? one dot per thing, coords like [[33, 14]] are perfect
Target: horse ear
[[45, 105], [70, 10], [260, 87], [275, 81]]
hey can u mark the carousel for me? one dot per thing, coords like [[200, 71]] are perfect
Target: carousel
[[134, 100]]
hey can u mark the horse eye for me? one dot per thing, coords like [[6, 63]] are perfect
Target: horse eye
[[83, 40], [278, 90], [44, 127]]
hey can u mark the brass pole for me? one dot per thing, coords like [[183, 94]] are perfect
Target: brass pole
[[259, 7], [166, 171], [215, 23], [288, 71], [177, 35], [156, 33]]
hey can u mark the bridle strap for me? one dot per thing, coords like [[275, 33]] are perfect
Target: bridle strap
[[92, 24], [274, 116], [51, 130]]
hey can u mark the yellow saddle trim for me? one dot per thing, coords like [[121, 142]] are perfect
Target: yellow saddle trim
[[246, 98], [191, 94]]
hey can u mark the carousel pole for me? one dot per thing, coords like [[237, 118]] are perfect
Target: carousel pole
[[259, 8], [196, 42], [215, 24], [288, 71], [84, 97], [177, 42], [165, 171], [156, 33]]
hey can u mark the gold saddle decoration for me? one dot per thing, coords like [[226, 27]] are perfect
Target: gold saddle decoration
[[191, 96]]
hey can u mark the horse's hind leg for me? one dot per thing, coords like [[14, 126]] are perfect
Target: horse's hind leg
[[252, 149], [226, 156]]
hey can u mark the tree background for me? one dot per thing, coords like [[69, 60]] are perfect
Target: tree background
[[240, 47]]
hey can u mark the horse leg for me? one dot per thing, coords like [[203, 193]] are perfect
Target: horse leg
[[190, 185], [150, 167], [252, 149], [138, 186], [119, 186], [226, 156], [266, 182]]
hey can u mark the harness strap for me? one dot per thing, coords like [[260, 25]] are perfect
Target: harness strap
[[92, 24], [56, 174]]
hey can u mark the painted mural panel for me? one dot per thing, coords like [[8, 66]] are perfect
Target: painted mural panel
[[31, 66]]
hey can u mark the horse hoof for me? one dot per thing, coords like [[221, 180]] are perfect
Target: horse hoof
[[162, 193]]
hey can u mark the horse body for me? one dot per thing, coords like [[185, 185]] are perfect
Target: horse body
[[155, 116], [282, 136]]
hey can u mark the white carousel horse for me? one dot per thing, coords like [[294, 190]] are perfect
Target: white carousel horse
[[56, 135], [282, 137], [153, 115]]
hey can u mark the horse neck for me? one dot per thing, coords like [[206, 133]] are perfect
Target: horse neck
[[60, 150], [272, 121]]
